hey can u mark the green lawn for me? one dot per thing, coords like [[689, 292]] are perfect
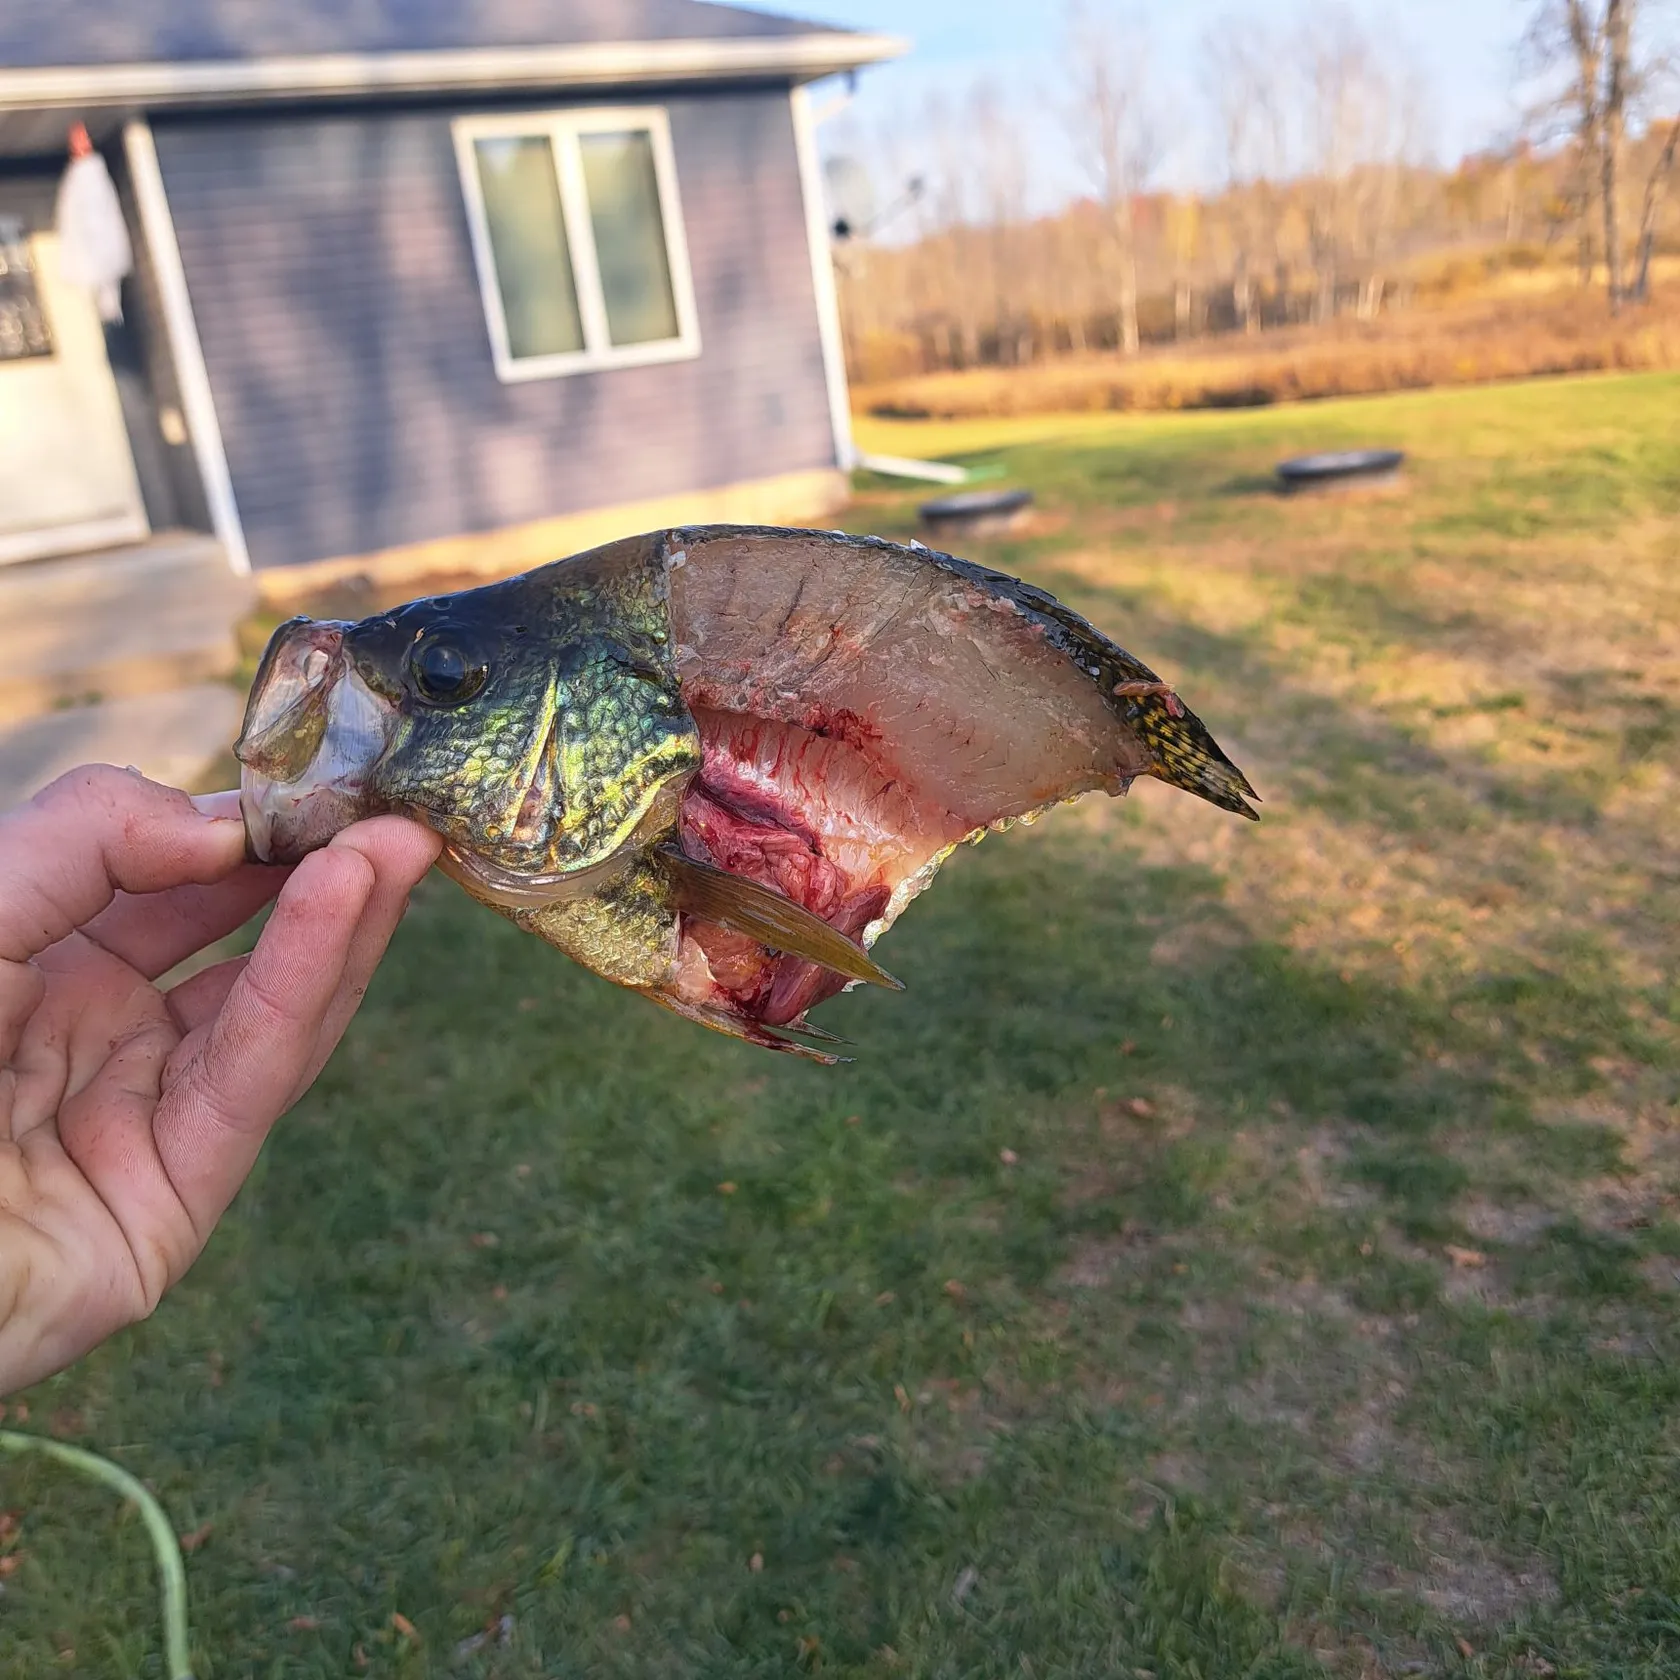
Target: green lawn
[[1243, 1250]]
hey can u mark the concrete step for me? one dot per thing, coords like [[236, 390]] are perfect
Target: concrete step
[[176, 737], [131, 621]]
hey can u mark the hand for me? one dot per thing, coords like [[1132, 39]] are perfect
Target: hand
[[130, 1116]]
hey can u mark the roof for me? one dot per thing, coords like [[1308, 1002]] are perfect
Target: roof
[[39, 33], [90, 52]]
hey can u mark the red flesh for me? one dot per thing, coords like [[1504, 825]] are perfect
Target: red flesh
[[813, 811]]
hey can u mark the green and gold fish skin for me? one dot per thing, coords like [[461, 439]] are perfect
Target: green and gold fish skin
[[552, 763], [712, 764]]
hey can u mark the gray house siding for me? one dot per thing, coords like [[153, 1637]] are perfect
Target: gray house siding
[[331, 275]]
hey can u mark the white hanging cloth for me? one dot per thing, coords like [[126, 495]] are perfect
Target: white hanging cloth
[[93, 247]]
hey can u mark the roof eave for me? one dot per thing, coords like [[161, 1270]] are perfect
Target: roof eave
[[158, 86]]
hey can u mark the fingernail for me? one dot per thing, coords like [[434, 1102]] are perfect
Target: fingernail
[[220, 806]]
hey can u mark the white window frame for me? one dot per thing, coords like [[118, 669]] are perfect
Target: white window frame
[[562, 128]]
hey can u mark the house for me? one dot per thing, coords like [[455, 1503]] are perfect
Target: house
[[419, 288]]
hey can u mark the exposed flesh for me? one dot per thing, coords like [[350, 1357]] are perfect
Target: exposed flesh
[[857, 723]]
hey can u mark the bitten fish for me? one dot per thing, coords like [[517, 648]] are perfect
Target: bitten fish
[[711, 764]]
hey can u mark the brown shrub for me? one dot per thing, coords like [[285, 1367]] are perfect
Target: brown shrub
[[1504, 338]]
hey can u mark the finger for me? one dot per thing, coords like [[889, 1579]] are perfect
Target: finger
[[400, 852], [65, 855], [229, 1083], [198, 1000], [93, 833], [154, 931]]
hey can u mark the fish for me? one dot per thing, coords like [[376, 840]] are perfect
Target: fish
[[712, 764]]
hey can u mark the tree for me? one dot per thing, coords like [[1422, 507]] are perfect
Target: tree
[[1656, 188], [1111, 123], [1241, 62], [1603, 73]]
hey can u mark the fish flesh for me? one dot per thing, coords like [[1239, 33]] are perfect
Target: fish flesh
[[712, 764]]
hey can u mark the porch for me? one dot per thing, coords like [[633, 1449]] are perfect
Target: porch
[[121, 657]]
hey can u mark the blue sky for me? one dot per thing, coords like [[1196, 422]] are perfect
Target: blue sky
[[1464, 50]]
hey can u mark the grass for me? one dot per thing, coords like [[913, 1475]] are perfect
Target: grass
[[1244, 1251], [1497, 333]]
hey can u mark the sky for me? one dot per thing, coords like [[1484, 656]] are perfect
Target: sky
[[1465, 51]]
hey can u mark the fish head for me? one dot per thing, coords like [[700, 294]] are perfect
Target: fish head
[[537, 725]]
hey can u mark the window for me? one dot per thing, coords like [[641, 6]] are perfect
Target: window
[[578, 239]]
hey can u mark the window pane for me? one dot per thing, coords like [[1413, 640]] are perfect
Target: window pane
[[528, 237], [629, 236]]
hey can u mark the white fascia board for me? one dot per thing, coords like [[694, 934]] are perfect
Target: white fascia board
[[801, 58]]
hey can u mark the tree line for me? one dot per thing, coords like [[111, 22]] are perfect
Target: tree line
[[1323, 204]]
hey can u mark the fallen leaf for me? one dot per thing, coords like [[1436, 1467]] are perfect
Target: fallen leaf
[[853, 1119], [1465, 1258], [955, 1290], [499, 1293], [9, 1523], [784, 1616], [808, 1645], [715, 1287], [622, 1623], [756, 1563], [9, 1564], [1465, 1648], [358, 1655], [405, 1627], [885, 1298], [1008, 1157], [582, 1409], [484, 1239], [727, 1188], [965, 1584], [191, 1542], [303, 1624], [903, 1396], [1142, 1107]]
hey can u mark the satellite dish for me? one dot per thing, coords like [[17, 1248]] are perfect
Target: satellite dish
[[851, 197]]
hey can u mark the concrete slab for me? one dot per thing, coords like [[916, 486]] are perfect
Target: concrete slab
[[131, 621], [173, 737]]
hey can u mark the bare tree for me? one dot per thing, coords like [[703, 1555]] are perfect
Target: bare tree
[[1111, 123], [1243, 68], [1360, 123], [1656, 189], [1602, 72]]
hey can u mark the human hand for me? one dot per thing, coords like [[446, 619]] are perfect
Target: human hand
[[130, 1116]]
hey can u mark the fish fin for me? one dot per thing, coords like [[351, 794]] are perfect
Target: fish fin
[[1181, 751], [804, 1028], [774, 920], [743, 1027]]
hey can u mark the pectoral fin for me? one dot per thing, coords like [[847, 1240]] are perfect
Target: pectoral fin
[[744, 907]]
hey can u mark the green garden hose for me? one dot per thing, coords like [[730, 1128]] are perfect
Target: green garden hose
[[172, 1575]]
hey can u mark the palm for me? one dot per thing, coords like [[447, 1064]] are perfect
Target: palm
[[129, 1115]]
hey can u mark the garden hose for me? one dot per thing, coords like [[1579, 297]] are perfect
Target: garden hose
[[172, 1575]]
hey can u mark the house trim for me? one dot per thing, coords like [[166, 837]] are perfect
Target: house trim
[[197, 403], [394, 574], [587, 64], [822, 279], [561, 128]]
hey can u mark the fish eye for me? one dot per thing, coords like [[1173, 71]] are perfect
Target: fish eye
[[446, 673]]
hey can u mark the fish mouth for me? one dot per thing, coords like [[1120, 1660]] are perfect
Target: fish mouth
[[313, 732]]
